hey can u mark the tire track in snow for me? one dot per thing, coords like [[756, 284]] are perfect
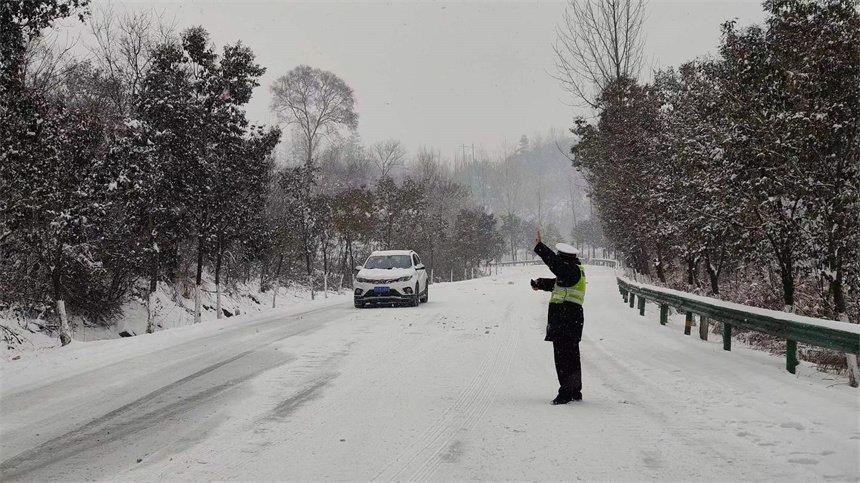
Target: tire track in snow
[[160, 406], [138, 415], [420, 460], [651, 411], [315, 400]]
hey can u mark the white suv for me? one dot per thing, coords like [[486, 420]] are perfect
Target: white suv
[[391, 276]]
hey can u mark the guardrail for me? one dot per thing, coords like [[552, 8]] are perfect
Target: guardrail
[[831, 334], [534, 261], [603, 262]]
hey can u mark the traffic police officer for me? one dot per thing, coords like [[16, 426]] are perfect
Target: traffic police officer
[[565, 317]]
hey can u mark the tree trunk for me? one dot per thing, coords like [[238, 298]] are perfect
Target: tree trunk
[[640, 261], [310, 269], [263, 267], [786, 274], [390, 230], [325, 272], [351, 260], [56, 270], [153, 287], [432, 261], [838, 290], [713, 274], [661, 274], [277, 280], [218, 258], [150, 312], [199, 281], [65, 332], [692, 269]]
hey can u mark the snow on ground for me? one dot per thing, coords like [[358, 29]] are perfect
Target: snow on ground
[[456, 389], [174, 308]]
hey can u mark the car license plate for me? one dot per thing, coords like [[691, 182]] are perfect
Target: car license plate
[[381, 289]]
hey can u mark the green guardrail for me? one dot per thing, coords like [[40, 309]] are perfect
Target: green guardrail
[[603, 262], [792, 328], [533, 261]]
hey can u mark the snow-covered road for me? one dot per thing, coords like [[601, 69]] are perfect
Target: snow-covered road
[[456, 389]]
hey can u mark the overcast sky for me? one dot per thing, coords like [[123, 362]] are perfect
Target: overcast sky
[[438, 74]]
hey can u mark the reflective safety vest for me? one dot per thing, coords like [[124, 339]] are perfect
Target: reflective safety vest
[[575, 294]]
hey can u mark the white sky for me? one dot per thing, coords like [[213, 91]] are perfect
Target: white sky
[[438, 74]]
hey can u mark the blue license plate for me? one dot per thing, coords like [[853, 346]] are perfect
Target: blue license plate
[[381, 289]]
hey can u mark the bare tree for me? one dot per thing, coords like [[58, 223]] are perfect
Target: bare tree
[[317, 102], [46, 62], [359, 168], [387, 155], [427, 165], [599, 41], [123, 48]]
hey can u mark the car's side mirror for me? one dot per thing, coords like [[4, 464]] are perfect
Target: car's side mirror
[[358, 268], [420, 266]]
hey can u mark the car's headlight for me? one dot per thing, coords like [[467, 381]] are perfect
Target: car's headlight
[[404, 279], [363, 280]]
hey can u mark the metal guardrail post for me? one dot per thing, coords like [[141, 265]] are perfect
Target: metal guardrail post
[[703, 327], [641, 305], [807, 330], [790, 356]]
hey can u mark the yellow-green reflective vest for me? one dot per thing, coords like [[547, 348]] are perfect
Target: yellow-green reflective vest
[[575, 294]]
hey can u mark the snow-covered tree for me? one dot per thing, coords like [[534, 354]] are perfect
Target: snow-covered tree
[[318, 103], [42, 224], [192, 102]]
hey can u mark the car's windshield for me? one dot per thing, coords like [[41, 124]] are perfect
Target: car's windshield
[[389, 261]]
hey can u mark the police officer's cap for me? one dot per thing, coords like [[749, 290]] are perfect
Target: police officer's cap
[[565, 249]]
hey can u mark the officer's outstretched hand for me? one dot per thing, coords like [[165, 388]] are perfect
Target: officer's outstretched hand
[[537, 240], [534, 285]]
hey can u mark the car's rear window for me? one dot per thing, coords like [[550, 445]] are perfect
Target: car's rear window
[[389, 261]]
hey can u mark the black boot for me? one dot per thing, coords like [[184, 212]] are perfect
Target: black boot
[[561, 400]]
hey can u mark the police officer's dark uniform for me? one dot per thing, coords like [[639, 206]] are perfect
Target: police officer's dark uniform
[[565, 317]]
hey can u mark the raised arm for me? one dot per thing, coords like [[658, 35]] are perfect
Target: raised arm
[[551, 259]]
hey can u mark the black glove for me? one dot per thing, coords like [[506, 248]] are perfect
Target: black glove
[[533, 283]]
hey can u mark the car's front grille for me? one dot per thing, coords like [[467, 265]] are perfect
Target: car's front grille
[[391, 293], [378, 282]]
